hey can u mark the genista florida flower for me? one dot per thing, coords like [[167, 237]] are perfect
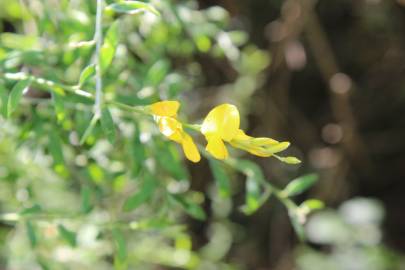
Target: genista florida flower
[[222, 125], [165, 113]]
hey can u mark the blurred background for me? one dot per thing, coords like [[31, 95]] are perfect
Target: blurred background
[[327, 75]]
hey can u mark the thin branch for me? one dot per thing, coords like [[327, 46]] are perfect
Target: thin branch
[[59, 88], [98, 37]]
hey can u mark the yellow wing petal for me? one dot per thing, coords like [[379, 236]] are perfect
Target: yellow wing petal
[[217, 148], [165, 108], [190, 149], [169, 126], [222, 121]]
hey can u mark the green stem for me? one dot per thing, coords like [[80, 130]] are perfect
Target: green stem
[[98, 37], [59, 88], [47, 85]]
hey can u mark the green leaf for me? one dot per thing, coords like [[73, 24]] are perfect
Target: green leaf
[[89, 129], [55, 148], [109, 47], [249, 168], [169, 158], [289, 160], [311, 205], [297, 224], [35, 209], [59, 107], [3, 100], [32, 234], [16, 94], [86, 74], [132, 7], [255, 197], [190, 207], [299, 185], [221, 178], [257, 190], [148, 186], [67, 235], [157, 73], [107, 124], [252, 194], [137, 152], [121, 249], [86, 206], [20, 42]]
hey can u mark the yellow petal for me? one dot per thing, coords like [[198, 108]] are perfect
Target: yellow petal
[[222, 121], [263, 141], [165, 108], [217, 148], [241, 135], [190, 149], [169, 126]]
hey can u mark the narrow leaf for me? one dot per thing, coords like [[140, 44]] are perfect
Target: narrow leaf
[[107, 124], [67, 235], [32, 234], [108, 49], [86, 74], [121, 249], [3, 100], [190, 207], [55, 148], [132, 7], [221, 178], [157, 72], [59, 107], [35, 209], [148, 186], [86, 200], [311, 205], [297, 224], [89, 129], [254, 201], [289, 160], [299, 185], [16, 94]]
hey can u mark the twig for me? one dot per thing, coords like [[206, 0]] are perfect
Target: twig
[[98, 37]]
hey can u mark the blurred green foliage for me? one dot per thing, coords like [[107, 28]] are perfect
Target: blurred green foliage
[[78, 193]]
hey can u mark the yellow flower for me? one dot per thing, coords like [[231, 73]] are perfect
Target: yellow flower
[[222, 125], [165, 113]]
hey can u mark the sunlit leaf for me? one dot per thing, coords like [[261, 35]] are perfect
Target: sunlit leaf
[[109, 47], [19, 42], [16, 94], [300, 185], [132, 7], [87, 73], [312, 204]]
